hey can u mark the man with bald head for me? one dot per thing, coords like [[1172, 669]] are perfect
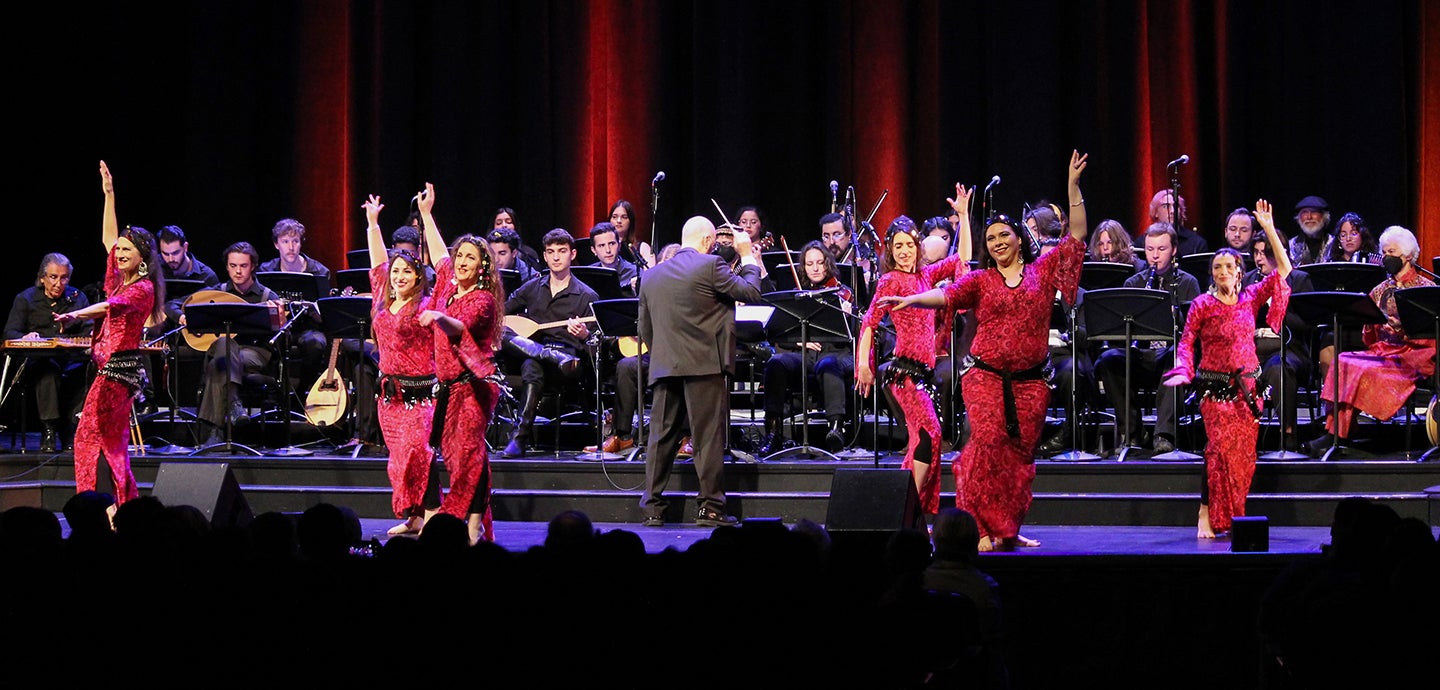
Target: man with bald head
[[687, 317]]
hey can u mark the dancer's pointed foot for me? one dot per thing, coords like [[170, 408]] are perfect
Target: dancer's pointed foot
[[411, 525], [986, 545]]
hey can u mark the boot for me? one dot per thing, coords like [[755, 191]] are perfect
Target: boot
[[50, 438], [1058, 442], [835, 436], [529, 402], [564, 361], [774, 439]]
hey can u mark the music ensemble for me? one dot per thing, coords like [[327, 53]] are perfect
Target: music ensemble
[[1007, 339]]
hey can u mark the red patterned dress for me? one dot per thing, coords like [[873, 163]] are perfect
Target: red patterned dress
[[464, 366], [406, 404], [915, 343], [1380, 379], [104, 427], [1012, 342], [1226, 380]]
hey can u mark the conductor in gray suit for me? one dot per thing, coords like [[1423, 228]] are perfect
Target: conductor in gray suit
[[687, 316]]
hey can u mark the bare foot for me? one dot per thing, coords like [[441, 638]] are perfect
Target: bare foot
[[110, 511], [411, 525], [986, 545], [1203, 529], [476, 526], [1022, 540]]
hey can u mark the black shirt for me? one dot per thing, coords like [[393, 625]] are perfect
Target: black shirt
[[534, 301], [34, 312]]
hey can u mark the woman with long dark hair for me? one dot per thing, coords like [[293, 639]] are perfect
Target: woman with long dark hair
[[467, 314], [134, 293], [622, 216]]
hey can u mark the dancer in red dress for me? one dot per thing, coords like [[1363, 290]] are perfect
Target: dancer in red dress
[[910, 375], [407, 370], [1005, 389], [1223, 320], [134, 293], [466, 314], [1379, 379]]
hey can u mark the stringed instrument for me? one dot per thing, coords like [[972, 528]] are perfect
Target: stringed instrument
[[201, 342], [630, 346], [327, 401], [525, 327]]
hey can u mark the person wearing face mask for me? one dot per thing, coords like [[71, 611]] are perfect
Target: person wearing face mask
[[1223, 323], [1005, 390], [1312, 215], [909, 377], [1379, 379], [32, 317], [1148, 363]]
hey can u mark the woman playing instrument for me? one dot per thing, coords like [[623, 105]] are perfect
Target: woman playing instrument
[[1005, 390], [466, 317], [1379, 379], [134, 293], [1223, 322], [910, 376], [406, 394]]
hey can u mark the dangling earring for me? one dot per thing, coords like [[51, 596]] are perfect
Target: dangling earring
[[144, 269]]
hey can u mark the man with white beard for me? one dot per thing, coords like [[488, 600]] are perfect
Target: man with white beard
[[1312, 214]]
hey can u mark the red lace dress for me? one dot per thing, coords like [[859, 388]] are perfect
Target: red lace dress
[[1380, 379], [104, 427], [1012, 336], [406, 405], [464, 366], [1226, 382], [914, 350]]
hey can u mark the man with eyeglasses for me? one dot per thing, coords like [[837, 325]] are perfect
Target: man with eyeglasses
[[32, 317]]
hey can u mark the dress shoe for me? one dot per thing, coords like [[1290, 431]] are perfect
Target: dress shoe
[[834, 438], [1057, 443], [514, 449], [238, 415], [709, 517], [1163, 445], [49, 440], [1289, 443], [618, 444], [653, 521], [687, 449], [1317, 447], [774, 439]]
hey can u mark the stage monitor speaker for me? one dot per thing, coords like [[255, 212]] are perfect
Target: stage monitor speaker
[[873, 500], [1250, 533], [211, 487]]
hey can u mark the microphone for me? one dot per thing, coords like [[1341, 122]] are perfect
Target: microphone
[[659, 177], [993, 181], [834, 188], [1182, 160]]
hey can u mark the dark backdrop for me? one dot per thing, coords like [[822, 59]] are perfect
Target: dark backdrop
[[225, 117]]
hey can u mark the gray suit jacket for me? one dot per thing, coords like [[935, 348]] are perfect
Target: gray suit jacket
[[687, 313]]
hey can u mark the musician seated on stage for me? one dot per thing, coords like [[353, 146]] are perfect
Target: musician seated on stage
[[1296, 358], [835, 231], [53, 379], [180, 264], [1150, 361], [246, 353], [506, 245], [604, 243], [1070, 361], [555, 296], [830, 365], [306, 338]]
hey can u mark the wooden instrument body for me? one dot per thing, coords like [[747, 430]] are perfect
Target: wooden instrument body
[[328, 399]]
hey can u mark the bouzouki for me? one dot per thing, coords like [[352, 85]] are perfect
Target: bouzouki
[[525, 328], [201, 342], [327, 401]]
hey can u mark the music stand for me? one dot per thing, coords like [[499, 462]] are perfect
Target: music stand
[[225, 318], [1128, 315], [356, 279], [1281, 455], [1100, 275], [750, 323], [1198, 265], [1419, 309], [1069, 319], [773, 260], [357, 259], [510, 278], [783, 279], [179, 288], [604, 281], [347, 317], [1344, 276], [1343, 309], [295, 286], [618, 318], [806, 316]]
